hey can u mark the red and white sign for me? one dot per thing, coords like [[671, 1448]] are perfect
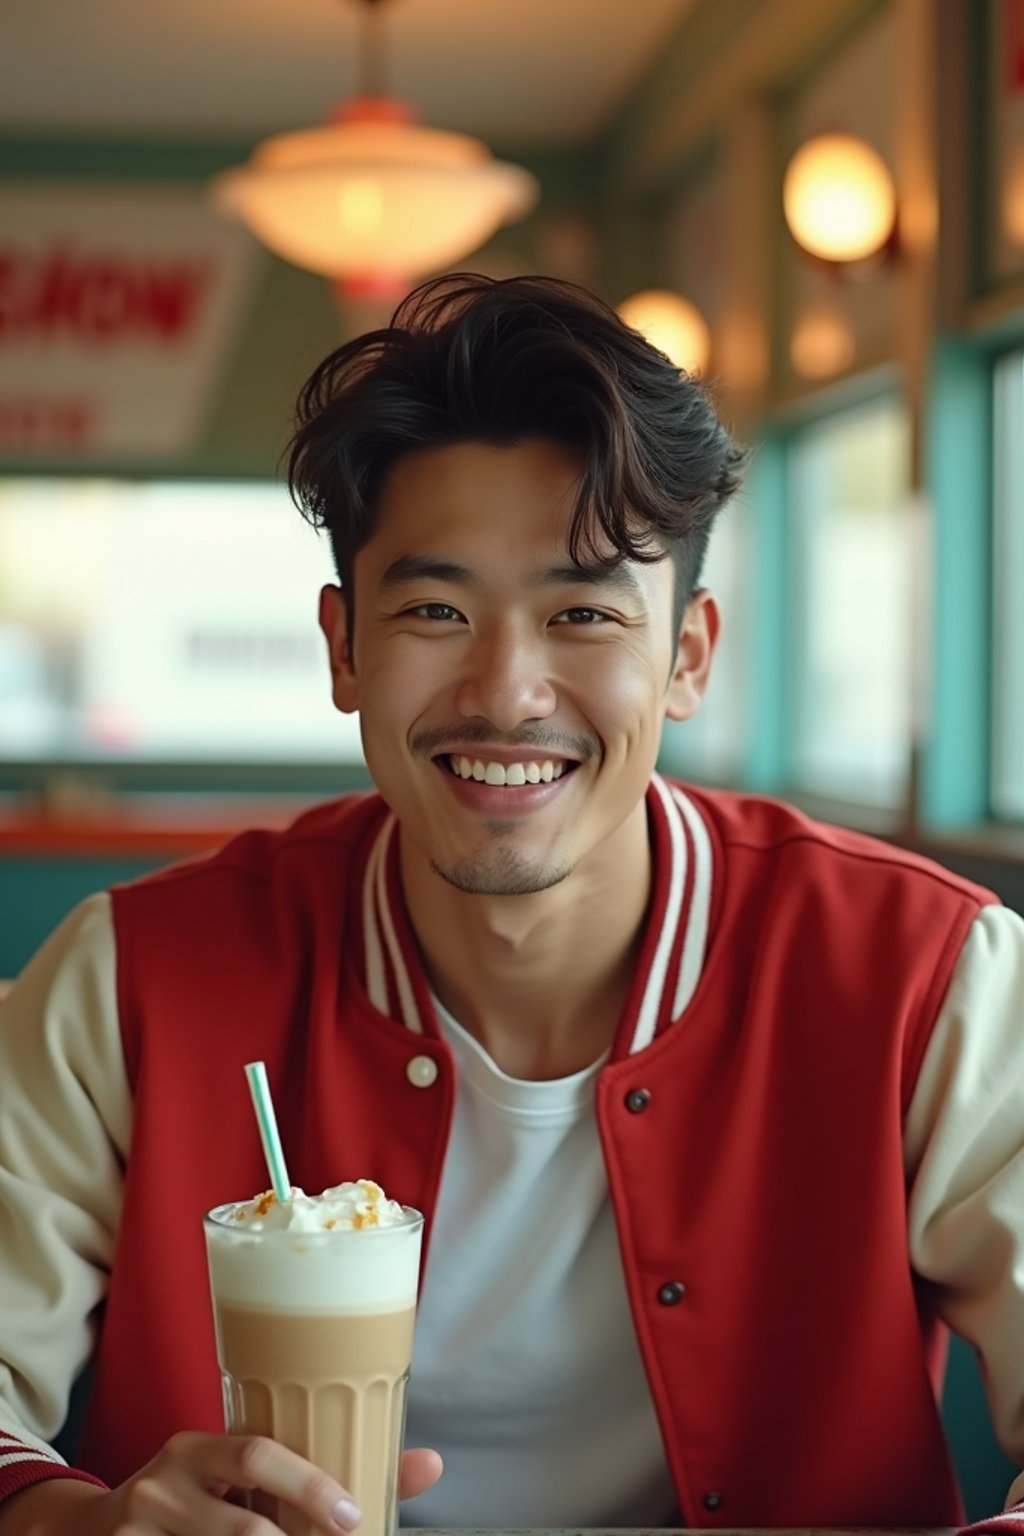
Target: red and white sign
[[118, 309], [1013, 37]]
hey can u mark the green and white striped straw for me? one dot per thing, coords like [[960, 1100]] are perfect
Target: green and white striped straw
[[263, 1104]]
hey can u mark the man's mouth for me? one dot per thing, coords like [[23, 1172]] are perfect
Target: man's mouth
[[528, 771]]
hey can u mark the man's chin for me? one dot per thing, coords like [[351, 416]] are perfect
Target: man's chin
[[501, 875]]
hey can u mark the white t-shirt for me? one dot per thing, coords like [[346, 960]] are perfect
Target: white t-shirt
[[527, 1375]]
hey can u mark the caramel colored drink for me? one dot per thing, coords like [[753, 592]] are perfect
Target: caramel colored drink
[[314, 1305]]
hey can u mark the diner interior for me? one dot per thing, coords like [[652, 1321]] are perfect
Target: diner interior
[[817, 205]]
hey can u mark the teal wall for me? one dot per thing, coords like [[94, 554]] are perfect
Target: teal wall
[[37, 892], [985, 1473], [958, 469]]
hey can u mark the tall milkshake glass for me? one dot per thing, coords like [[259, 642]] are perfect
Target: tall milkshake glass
[[314, 1338]]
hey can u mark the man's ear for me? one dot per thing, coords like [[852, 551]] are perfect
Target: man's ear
[[698, 637], [334, 623]]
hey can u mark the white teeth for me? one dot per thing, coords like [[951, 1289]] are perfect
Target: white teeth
[[514, 774]]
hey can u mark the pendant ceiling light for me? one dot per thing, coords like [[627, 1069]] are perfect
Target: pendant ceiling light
[[374, 200]]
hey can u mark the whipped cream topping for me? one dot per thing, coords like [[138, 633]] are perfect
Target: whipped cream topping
[[358, 1206], [347, 1250]]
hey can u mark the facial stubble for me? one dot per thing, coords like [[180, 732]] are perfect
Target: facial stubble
[[501, 871]]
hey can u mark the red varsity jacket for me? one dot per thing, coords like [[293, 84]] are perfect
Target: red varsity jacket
[[750, 1114]]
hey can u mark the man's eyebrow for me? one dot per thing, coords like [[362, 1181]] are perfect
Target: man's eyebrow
[[409, 568], [618, 578], [412, 568]]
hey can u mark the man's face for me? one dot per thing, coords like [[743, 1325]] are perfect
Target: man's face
[[511, 704]]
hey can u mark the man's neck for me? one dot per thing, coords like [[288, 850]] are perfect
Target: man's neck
[[539, 980]]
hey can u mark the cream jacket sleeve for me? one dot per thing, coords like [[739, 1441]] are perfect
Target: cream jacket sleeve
[[65, 1119], [964, 1147], [65, 1123]]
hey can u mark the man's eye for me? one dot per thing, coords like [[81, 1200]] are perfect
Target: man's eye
[[438, 611], [583, 616]]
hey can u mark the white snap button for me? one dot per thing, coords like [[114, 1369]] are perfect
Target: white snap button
[[422, 1071]]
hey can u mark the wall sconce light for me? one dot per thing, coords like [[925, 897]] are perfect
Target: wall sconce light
[[839, 199], [822, 344], [1013, 198], [672, 324]]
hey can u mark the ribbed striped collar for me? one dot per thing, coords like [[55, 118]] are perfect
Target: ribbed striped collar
[[672, 949]]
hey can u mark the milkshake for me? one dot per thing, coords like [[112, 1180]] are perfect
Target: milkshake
[[314, 1304]]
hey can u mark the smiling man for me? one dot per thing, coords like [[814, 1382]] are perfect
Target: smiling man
[[511, 704], [716, 1114]]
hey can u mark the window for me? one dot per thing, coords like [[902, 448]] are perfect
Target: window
[[853, 608], [163, 622], [1008, 585]]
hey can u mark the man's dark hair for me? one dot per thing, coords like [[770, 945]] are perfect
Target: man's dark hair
[[468, 358]]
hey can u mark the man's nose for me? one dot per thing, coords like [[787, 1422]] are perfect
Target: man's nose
[[506, 682]]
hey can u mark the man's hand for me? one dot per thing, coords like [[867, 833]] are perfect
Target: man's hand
[[182, 1492]]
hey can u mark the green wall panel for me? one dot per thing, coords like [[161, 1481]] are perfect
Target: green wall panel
[[37, 893]]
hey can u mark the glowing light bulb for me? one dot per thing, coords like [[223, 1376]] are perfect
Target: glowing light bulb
[[672, 324], [839, 199], [822, 343], [361, 206]]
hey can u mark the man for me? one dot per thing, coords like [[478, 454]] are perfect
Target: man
[[714, 1113]]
